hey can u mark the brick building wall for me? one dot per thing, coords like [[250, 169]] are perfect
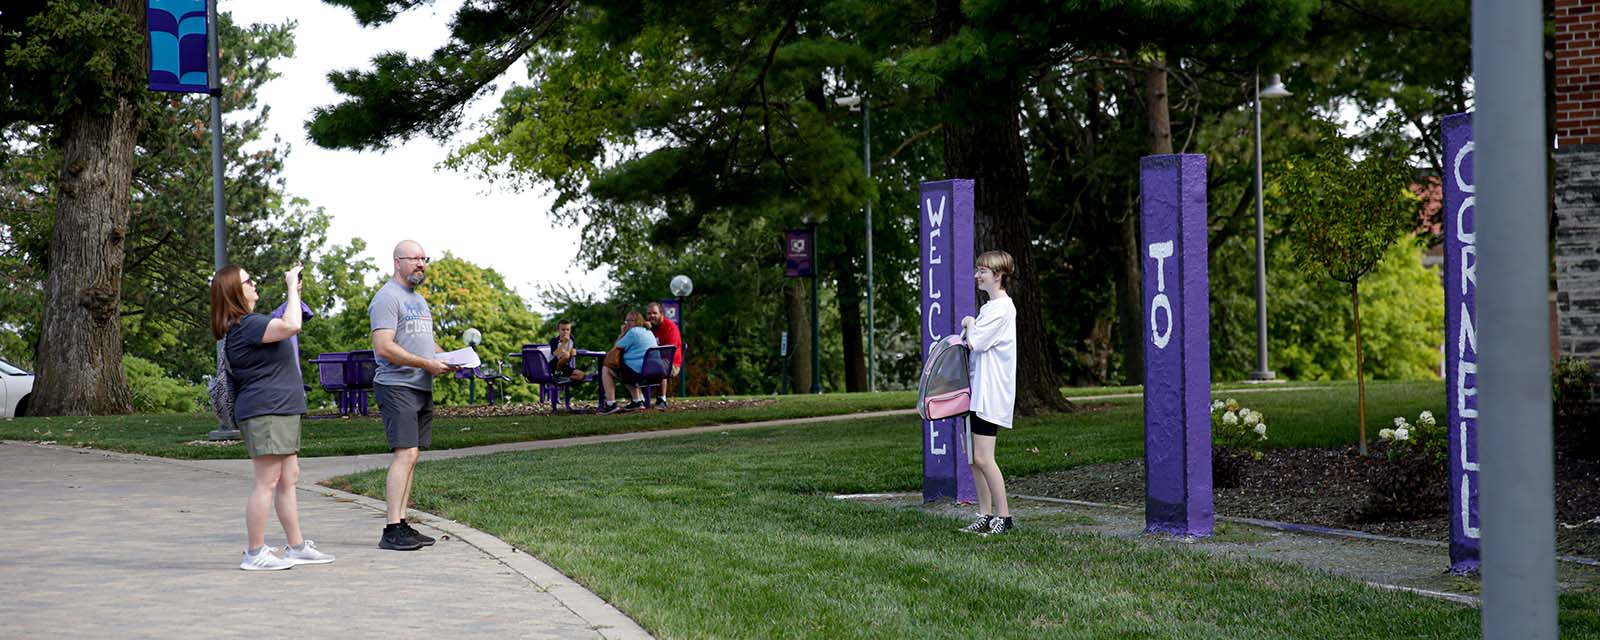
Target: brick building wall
[[1577, 177]]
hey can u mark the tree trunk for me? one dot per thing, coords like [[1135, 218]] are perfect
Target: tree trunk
[[851, 324], [796, 304], [1361, 380], [80, 343], [1130, 279], [983, 142], [1156, 111], [1130, 300]]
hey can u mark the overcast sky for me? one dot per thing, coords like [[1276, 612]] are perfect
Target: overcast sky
[[387, 197]]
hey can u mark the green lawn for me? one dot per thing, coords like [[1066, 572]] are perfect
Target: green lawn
[[734, 534], [169, 435], [1296, 417]]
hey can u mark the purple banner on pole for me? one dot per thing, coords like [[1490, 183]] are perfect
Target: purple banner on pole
[[178, 45], [948, 294], [1461, 340], [670, 309], [1177, 348], [798, 250]]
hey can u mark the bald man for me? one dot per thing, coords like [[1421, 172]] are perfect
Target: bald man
[[402, 338]]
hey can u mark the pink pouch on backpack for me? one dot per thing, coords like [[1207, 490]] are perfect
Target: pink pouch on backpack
[[948, 405]]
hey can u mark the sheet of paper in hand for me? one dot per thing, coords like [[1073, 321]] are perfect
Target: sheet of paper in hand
[[465, 358]]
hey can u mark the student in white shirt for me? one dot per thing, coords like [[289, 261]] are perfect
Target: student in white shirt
[[992, 336]]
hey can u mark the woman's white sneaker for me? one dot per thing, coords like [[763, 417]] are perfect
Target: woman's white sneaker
[[306, 553], [264, 560]]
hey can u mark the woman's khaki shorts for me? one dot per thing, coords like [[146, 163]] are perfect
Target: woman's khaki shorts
[[271, 435]]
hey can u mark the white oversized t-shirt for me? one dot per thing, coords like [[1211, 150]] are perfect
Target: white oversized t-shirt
[[993, 338]]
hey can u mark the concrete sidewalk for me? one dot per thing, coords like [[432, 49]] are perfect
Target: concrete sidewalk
[[114, 545], [122, 545]]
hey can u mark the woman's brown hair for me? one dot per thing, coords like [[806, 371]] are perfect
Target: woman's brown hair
[[634, 319], [227, 300]]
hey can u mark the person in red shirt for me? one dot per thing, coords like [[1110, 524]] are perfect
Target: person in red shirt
[[666, 333]]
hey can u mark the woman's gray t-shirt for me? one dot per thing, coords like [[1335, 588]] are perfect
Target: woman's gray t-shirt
[[265, 377], [405, 312]]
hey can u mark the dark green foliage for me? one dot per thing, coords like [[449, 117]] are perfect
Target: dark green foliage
[[1577, 407], [156, 392], [58, 55]]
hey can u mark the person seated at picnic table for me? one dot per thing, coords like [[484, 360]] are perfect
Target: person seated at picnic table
[[633, 341], [666, 333], [564, 352]]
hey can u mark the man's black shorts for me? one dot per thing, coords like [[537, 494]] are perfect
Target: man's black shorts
[[407, 415]]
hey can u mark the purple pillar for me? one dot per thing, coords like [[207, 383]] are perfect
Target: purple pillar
[[1177, 349], [1461, 341], [948, 294]]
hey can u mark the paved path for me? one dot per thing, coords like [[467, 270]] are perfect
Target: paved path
[[104, 544], [119, 546]]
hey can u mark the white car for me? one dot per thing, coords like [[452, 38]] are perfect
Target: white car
[[15, 387]]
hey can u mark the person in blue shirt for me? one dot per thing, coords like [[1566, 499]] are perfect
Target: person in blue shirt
[[634, 340]]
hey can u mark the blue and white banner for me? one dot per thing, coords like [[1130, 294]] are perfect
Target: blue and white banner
[[178, 45]]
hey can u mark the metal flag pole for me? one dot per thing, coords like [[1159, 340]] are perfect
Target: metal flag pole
[[219, 232]]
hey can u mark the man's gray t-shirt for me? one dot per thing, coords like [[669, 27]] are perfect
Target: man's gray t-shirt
[[406, 313]]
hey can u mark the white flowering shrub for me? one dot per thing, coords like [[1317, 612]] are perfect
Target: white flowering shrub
[[1412, 483], [1238, 427], [1424, 439]]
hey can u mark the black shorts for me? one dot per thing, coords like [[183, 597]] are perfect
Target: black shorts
[[407, 415], [981, 427]]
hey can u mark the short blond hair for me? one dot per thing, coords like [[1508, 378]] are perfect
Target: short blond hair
[[1001, 264]]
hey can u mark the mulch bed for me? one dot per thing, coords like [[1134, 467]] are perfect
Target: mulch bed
[[1329, 487]]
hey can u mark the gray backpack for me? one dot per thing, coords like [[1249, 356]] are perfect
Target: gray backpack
[[222, 389]]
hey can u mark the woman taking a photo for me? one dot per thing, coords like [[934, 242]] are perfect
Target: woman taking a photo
[[269, 400]]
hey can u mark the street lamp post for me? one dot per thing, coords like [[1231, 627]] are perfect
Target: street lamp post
[[866, 144], [472, 338], [1274, 90], [816, 345], [681, 287]]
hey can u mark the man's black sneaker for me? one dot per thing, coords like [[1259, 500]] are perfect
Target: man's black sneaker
[[610, 408], [661, 402], [426, 540], [397, 538], [634, 406]]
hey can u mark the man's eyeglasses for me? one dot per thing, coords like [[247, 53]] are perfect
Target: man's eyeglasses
[[422, 259]]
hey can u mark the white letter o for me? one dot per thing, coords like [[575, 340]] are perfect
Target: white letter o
[[1160, 303]]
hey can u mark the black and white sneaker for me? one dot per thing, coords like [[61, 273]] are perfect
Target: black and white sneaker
[[981, 525], [634, 406], [999, 526], [426, 540], [610, 408]]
